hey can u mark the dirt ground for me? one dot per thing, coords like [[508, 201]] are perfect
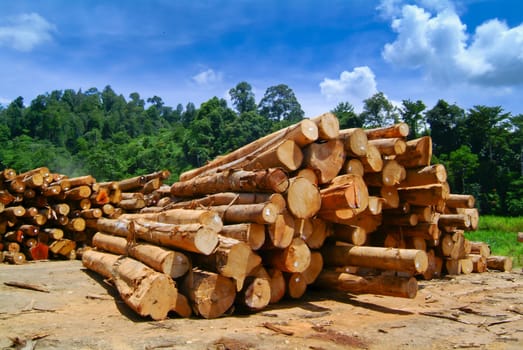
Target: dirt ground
[[482, 311]]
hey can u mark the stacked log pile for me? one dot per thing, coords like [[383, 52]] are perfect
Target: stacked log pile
[[49, 215], [308, 206]]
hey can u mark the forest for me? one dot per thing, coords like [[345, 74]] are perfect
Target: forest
[[111, 137]]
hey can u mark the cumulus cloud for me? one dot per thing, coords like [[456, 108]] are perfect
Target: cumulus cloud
[[25, 31], [207, 77], [351, 86], [439, 45]]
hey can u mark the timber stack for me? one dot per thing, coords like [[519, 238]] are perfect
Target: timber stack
[[308, 206]]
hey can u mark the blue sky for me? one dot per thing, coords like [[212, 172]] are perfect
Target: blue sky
[[468, 52]]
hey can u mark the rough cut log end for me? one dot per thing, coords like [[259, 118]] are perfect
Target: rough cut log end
[[257, 294], [303, 198], [328, 126], [206, 240]]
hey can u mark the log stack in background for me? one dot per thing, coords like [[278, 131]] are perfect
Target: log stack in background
[[308, 206]]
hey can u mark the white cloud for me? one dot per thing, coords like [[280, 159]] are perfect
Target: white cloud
[[208, 77], [439, 46], [351, 86], [25, 31]]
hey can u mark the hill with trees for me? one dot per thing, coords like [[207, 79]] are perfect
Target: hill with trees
[[111, 137]]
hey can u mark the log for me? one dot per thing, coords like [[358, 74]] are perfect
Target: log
[[269, 180], [295, 258], [231, 258], [132, 204], [6, 197], [277, 284], [326, 159], [206, 217], [302, 133], [460, 201], [256, 294], [261, 213], [230, 198], [405, 287], [459, 221], [250, 233], [400, 130], [62, 247], [328, 126], [355, 235], [192, 237], [353, 166], [418, 153], [303, 198], [400, 220], [296, 284], [391, 174], [210, 294], [16, 258], [355, 141], [303, 228], [147, 292], [501, 263], [39, 251], [408, 260], [315, 267], [372, 161], [287, 155], [174, 264], [389, 146], [320, 231], [390, 194], [77, 193], [375, 205], [429, 175], [281, 232], [434, 267], [344, 198], [480, 248], [425, 196], [473, 215], [479, 263]]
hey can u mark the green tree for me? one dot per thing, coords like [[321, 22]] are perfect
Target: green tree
[[242, 98], [344, 111], [378, 111], [281, 105], [411, 113], [445, 122]]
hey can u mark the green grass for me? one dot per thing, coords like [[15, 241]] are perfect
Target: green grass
[[501, 234]]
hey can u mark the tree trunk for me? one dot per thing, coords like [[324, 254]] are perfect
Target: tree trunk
[[405, 287], [147, 292], [408, 260]]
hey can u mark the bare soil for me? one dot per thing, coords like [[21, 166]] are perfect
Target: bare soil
[[81, 311]]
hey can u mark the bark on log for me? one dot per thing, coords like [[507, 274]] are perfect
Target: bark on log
[[206, 217], [344, 198], [210, 294], [325, 158], [400, 130], [270, 180], [277, 284], [459, 221], [479, 263], [405, 287], [355, 235], [408, 260], [174, 264], [192, 237], [303, 198], [501, 263], [460, 201], [144, 290], [261, 213], [425, 196]]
